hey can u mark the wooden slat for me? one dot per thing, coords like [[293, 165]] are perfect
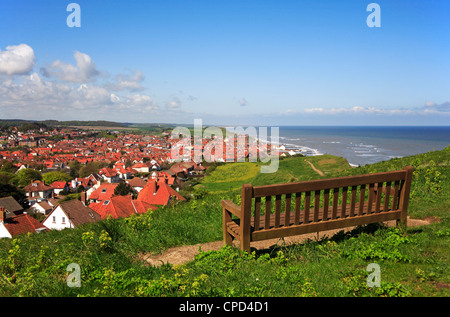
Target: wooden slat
[[362, 192], [277, 210], [353, 201], [378, 197], [267, 211], [316, 205], [335, 203], [298, 202], [257, 221], [344, 202], [387, 195], [395, 196], [324, 225], [370, 198], [280, 189], [326, 202], [307, 205], [287, 210]]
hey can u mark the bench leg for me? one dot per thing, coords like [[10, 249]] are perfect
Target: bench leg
[[402, 224], [227, 238], [245, 245]]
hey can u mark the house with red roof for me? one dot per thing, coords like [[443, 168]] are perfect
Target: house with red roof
[[158, 193], [38, 189], [18, 225], [137, 183], [121, 207], [59, 186], [109, 174], [104, 192], [141, 167]]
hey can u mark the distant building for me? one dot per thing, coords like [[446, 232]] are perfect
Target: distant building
[[70, 214], [104, 192], [17, 225], [158, 193], [10, 206], [38, 189], [60, 186], [121, 207]]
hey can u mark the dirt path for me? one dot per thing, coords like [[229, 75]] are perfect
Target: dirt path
[[183, 254], [315, 169]]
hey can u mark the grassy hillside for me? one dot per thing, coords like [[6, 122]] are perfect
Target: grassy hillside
[[412, 263], [292, 169]]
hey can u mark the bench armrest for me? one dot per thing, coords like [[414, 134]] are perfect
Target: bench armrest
[[231, 207]]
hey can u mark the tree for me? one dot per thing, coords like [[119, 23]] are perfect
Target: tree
[[26, 176], [75, 167], [87, 170], [123, 189], [5, 177], [19, 195], [54, 176], [8, 167]]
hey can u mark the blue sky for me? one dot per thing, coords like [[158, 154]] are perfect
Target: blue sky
[[228, 62]]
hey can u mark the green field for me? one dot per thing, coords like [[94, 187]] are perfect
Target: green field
[[412, 262], [232, 176]]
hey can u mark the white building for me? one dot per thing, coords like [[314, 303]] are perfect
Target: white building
[[70, 214]]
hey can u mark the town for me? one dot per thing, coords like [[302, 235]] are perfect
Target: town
[[62, 177], [50, 167]]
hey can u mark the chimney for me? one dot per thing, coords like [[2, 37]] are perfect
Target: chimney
[[83, 197], [2, 215]]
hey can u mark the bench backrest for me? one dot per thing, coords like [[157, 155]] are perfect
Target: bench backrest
[[319, 200]]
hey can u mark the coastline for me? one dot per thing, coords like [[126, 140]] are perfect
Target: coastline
[[361, 145]]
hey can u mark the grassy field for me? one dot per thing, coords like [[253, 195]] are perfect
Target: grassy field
[[412, 262], [232, 176]]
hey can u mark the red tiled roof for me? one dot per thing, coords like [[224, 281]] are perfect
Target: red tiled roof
[[22, 224], [108, 172], [58, 184], [37, 186], [104, 192], [158, 193], [120, 207]]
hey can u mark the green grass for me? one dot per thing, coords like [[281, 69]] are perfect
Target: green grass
[[231, 176], [412, 262]]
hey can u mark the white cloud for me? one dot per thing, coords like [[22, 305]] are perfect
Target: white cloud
[[357, 110], [142, 103], [128, 82], [174, 104], [84, 70], [432, 107], [33, 96], [16, 60]]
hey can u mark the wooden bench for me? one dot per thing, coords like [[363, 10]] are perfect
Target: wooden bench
[[275, 211]]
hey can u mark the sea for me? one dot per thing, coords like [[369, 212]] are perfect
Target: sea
[[363, 145]]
